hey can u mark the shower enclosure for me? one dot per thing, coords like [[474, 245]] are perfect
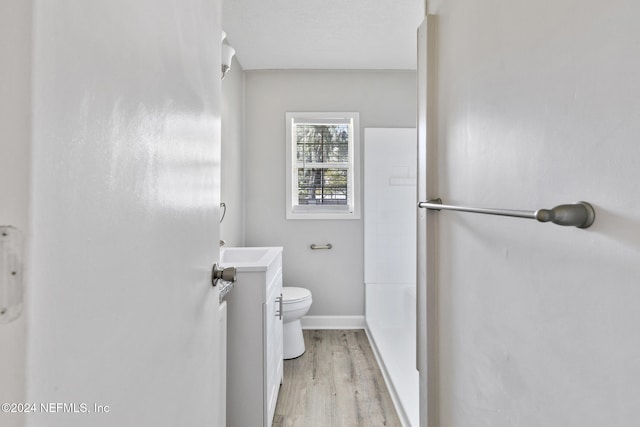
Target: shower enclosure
[[390, 261]]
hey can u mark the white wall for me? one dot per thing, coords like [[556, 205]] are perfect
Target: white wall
[[232, 163], [384, 99], [538, 105], [15, 96], [124, 212]]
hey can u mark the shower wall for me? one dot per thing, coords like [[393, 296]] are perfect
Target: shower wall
[[390, 259]]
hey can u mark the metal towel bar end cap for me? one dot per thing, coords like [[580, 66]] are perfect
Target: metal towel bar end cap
[[580, 214]]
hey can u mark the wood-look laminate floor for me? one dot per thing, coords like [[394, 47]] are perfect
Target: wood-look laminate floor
[[336, 383]]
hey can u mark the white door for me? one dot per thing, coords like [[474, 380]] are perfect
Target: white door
[[122, 318], [537, 323]]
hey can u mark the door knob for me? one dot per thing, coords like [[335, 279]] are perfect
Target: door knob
[[226, 274]]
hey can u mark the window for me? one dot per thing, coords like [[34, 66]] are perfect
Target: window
[[322, 162]]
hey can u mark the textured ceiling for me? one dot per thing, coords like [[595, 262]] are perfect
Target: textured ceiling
[[323, 34]]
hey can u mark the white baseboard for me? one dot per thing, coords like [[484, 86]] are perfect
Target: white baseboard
[[332, 322]]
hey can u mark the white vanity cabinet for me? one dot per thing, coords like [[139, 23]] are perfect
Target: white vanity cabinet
[[254, 335]]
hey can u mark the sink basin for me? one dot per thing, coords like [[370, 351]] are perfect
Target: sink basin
[[249, 259], [243, 254]]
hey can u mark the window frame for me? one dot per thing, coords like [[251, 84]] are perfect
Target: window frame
[[352, 209]]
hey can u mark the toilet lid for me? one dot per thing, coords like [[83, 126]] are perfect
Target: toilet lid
[[294, 294]]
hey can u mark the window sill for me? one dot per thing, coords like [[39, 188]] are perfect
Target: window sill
[[323, 215]]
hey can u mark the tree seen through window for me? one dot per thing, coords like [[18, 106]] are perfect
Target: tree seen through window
[[323, 151]]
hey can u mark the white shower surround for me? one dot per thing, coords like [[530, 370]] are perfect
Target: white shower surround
[[390, 261]]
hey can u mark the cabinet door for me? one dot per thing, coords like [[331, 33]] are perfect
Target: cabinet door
[[273, 347]]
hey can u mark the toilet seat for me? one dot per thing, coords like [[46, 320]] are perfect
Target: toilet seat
[[292, 294]]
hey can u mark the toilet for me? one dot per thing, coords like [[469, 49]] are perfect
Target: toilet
[[295, 304]]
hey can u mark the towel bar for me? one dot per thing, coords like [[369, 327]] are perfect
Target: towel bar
[[580, 214], [327, 246]]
